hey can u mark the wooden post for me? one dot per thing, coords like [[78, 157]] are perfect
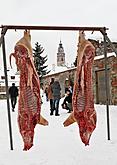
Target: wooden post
[[7, 93], [107, 86]]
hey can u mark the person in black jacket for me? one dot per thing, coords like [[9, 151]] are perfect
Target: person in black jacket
[[67, 102], [13, 92], [56, 92]]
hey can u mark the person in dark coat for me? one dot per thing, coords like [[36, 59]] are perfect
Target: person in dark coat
[[67, 103], [56, 97], [13, 92], [50, 95]]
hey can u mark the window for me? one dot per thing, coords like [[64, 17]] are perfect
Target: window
[[12, 77], [2, 77]]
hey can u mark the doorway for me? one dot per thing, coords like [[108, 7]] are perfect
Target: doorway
[[101, 87]]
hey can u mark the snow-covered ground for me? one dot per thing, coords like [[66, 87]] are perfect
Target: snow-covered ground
[[56, 145]]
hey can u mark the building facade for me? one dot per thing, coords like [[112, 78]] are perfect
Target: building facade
[[12, 78], [67, 77], [99, 80]]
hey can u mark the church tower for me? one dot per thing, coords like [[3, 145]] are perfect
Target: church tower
[[60, 55]]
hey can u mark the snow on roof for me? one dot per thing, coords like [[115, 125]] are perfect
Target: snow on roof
[[102, 56], [57, 69]]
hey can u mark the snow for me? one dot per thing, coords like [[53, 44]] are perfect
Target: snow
[[57, 145], [102, 56], [57, 69]]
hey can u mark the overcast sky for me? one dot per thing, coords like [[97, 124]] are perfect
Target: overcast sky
[[58, 13]]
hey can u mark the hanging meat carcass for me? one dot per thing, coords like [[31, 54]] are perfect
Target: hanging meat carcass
[[82, 101], [29, 103]]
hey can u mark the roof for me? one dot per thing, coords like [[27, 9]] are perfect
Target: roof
[[102, 56], [60, 69]]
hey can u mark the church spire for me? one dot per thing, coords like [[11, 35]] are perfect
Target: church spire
[[60, 44], [60, 55]]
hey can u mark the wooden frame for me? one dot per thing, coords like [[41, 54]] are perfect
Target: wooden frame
[[5, 28]]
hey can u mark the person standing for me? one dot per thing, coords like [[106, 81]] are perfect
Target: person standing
[[56, 97], [50, 96], [13, 92], [46, 93]]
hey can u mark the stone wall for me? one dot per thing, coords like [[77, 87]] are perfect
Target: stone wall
[[112, 69], [62, 77]]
